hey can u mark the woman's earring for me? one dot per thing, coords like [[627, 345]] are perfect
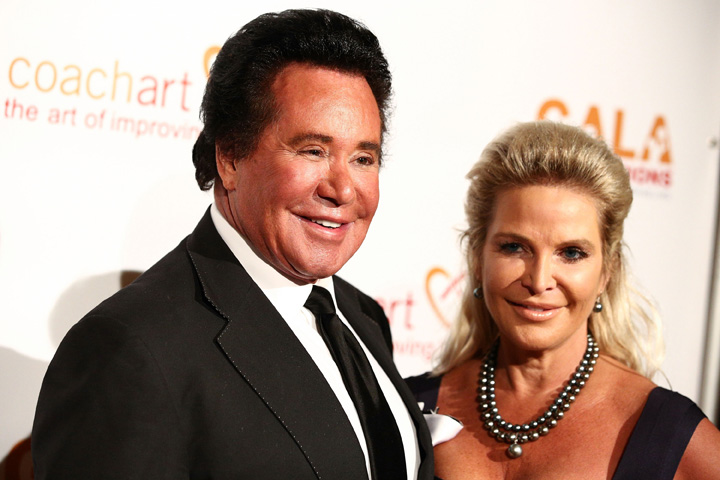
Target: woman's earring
[[598, 306], [478, 293]]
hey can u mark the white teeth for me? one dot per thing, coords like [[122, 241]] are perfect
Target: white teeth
[[535, 309], [326, 223]]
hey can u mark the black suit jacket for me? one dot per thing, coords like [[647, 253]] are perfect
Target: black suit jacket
[[191, 373]]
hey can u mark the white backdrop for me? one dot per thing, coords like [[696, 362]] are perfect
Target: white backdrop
[[99, 111]]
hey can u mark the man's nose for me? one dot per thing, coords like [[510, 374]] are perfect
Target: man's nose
[[338, 184]]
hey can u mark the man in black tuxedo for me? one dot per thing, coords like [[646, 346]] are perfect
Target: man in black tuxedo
[[239, 354]]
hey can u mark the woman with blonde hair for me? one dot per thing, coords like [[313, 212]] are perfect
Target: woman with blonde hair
[[548, 366]]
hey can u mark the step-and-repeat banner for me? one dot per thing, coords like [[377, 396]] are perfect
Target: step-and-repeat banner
[[99, 112]]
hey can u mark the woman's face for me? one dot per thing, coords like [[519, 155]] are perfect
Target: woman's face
[[542, 266]]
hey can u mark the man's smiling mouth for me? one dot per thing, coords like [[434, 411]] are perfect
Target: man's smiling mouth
[[326, 223]]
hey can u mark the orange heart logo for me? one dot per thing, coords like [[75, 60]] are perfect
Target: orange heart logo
[[443, 292], [209, 58]]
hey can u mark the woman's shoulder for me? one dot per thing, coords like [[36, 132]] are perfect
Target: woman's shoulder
[[639, 393], [623, 385], [696, 462], [671, 440], [671, 435]]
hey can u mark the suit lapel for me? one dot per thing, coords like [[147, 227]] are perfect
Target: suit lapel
[[273, 362], [371, 335]]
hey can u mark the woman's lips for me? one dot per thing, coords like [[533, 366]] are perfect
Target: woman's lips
[[535, 313]]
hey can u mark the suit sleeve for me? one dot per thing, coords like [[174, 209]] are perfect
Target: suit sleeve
[[104, 410]]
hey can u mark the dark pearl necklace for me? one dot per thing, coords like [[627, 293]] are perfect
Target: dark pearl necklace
[[516, 435]]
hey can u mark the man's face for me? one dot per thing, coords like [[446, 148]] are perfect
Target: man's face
[[305, 197]]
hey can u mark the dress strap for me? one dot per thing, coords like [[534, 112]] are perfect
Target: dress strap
[[425, 388], [660, 437]]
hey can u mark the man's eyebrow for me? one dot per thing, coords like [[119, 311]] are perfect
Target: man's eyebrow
[[303, 137], [373, 146]]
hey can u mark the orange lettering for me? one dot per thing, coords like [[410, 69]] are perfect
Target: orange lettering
[[552, 104], [87, 86], [593, 120], [619, 150], [75, 79], [37, 76], [10, 72], [658, 139], [117, 75]]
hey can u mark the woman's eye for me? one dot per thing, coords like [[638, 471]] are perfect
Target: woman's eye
[[511, 247], [573, 254]]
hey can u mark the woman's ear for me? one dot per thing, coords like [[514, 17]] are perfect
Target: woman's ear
[[477, 266], [608, 272]]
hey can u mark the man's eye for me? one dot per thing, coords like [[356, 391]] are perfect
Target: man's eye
[[315, 152], [365, 160]]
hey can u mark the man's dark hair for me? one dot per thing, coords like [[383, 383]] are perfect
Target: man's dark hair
[[238, 103]]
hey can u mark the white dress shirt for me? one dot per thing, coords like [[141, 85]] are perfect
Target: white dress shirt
[[289, 300]]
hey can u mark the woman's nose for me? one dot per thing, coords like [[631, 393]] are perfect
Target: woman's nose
[[539, 275]]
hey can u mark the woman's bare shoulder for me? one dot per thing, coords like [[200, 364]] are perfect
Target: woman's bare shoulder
[[632, 390], [700, 460], [622, 384]]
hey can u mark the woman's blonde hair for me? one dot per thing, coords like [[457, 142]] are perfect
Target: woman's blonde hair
[[548, 153]]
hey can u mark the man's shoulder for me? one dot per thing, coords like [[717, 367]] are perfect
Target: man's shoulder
[[367, 303], [171, 271], [163, 287], [163, 310], [342, 284]]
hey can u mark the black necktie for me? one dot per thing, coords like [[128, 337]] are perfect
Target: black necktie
[[385, 448]]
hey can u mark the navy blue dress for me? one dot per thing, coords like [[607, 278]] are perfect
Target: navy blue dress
[[657, 442]]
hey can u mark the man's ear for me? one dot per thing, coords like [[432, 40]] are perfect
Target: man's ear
[[227, 168]]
